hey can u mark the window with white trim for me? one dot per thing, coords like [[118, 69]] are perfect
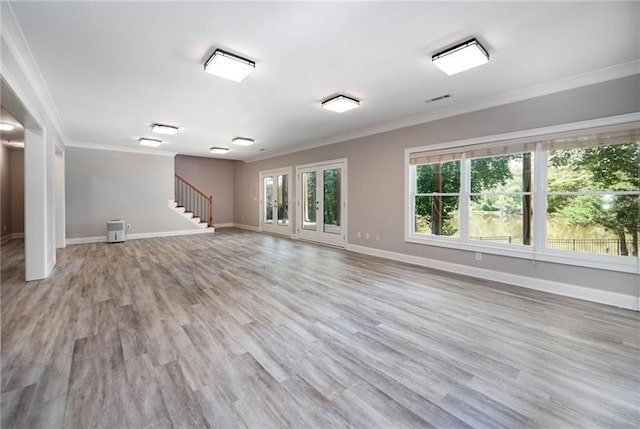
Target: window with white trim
[[581, 188]]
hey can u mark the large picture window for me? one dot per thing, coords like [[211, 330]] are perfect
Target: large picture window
[[437, 198], [575, 194], [592, 199], [501, 204]]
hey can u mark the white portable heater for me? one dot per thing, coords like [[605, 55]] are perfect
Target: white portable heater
[[115, 231]]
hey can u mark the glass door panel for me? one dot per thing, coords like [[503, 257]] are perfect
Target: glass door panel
[[309, 201], [282, 200], [267, 200], [275, 186], [321, 201], [332, 201]]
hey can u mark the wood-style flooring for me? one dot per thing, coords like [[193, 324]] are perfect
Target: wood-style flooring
[[239, 329]]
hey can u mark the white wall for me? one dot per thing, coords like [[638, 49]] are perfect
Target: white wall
[[60, 200], [25, 95]]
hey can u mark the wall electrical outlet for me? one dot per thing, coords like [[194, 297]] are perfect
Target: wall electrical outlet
[[366, 235], [478, 256]]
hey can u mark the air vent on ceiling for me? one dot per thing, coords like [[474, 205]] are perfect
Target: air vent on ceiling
[[442, 97]]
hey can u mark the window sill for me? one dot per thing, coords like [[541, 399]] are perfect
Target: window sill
[[604, 262]]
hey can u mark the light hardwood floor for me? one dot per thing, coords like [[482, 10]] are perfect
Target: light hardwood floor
[[240, 329]]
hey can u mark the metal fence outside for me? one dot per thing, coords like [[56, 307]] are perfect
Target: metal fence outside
[[607, 246]]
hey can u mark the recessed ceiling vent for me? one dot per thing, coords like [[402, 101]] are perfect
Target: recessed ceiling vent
[[442, 97]]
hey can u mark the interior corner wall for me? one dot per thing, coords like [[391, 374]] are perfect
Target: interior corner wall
[[376, 177], [5, 193], [101, 185], [16, 192], [213, 177]]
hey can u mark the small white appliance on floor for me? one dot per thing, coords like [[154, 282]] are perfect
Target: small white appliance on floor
[[115, 231]]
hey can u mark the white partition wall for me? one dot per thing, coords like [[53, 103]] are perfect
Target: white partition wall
[[59, 199], [35, 204]]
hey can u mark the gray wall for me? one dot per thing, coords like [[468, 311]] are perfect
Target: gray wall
[[103, 185], [213, 177], [16, 184], [5, 193], [376, 176], [12, 191]]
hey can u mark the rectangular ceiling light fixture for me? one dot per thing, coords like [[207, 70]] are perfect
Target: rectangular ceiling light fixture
[[228, 66], [243, 141], [218, 150], [150, 142], [164, 129], [461, 57], [340, 103]]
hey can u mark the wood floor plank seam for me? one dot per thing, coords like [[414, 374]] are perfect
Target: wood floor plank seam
[[244, 330]]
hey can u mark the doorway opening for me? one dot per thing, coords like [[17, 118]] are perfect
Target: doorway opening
[[275, 195], [322, 202], [11, 195]]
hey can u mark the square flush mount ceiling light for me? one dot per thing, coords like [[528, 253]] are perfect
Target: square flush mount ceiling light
[[150, 142], [228, 66], [461, 57], [218, 150], [243, 141], [340, 103], [164, 129]]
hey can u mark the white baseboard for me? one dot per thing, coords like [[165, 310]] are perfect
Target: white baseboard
[[85, 240], [588, 294], [102, 238], [225, 225], [247, 227]]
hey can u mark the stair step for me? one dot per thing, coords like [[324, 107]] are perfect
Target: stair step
[[197, 220]]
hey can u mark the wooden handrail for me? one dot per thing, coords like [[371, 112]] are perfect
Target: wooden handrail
[[192, 186], [193, 199]]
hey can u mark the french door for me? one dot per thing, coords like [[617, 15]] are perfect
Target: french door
[[275, 187], [322, 191]]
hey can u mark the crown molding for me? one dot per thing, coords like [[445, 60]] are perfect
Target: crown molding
[[110, 148], [16, 42], [585, 79]]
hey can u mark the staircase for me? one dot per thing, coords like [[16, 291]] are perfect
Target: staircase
[[192, 203]]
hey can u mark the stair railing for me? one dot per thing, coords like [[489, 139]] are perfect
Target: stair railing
[[193, 200]]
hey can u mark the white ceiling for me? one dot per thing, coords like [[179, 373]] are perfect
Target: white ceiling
[[114, 68]]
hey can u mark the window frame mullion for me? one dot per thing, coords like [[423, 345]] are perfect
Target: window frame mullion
[[540, 199], [465, 196]]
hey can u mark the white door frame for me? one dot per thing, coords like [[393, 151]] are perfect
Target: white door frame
[[39, 233], [319, 235], [60, 198], [274, 172]]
